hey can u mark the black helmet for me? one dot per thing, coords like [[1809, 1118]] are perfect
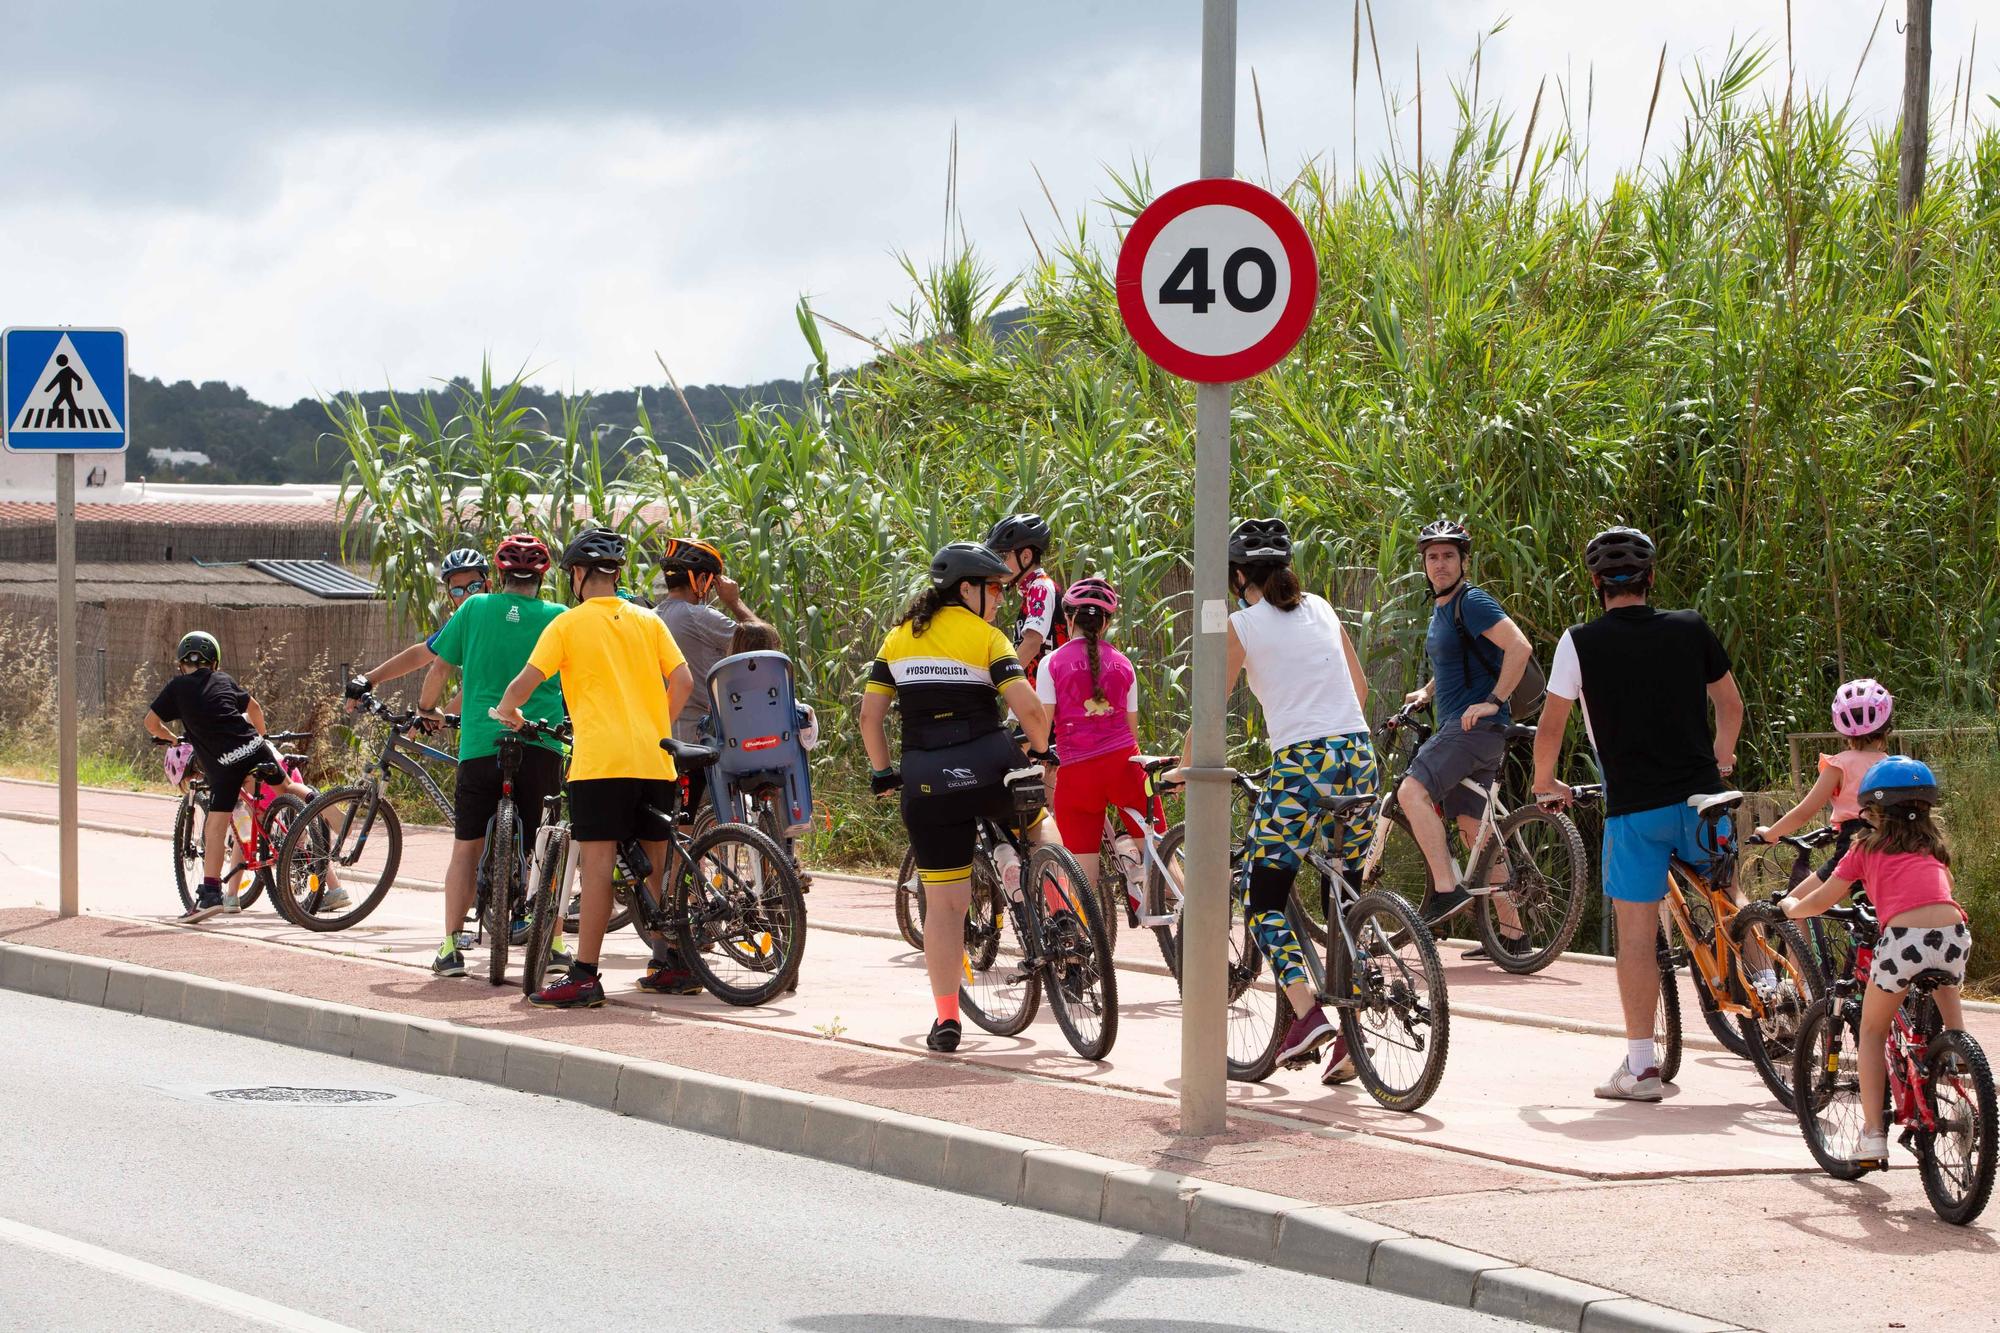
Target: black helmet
[[960, 561], [1017, 530], [691, 555], [600, 548], [1260, 541], [198, 648], [1619, 555], [1445, 530]]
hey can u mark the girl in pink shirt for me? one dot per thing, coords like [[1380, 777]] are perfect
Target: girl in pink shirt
[[1861, 712], [1908, 871]]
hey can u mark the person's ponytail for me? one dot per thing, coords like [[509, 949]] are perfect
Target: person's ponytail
[[1089, 622], [1279, 584]]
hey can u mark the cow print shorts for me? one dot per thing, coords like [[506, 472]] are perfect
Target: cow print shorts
[[1904, 951]]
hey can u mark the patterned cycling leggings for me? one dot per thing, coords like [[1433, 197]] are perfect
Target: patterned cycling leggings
[[1282, 825]]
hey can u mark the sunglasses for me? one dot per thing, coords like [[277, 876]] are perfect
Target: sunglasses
[[466, 590]]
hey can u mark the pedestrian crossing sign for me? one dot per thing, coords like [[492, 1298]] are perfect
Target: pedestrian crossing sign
[[64, 391]]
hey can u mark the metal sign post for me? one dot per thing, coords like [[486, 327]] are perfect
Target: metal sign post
[[1204, 935], [66, 815]]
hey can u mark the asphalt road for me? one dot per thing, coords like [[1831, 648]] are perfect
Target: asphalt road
[[130, 1199]]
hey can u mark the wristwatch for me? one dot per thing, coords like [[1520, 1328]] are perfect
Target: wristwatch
[[1496, 700]]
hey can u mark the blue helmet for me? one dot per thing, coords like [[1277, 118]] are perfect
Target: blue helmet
[[1899, 780]]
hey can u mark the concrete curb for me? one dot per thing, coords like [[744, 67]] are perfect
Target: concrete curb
[[1243, 1223]]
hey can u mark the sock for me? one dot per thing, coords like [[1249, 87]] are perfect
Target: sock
[[208, 883], [947, 1007], [450, 945], [1639, 1055], [1767, 978], [582, 971]]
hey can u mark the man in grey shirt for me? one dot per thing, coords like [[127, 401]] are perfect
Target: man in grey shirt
[[693, 570]]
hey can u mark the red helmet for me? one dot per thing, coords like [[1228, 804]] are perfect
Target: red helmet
[[1092, 591], [522, 553]]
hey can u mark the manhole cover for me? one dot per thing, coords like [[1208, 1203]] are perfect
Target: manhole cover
[[303, 1096]]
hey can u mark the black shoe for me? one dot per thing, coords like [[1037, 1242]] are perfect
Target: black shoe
[[1476, 952], [449, 964], [944, 1035], [1442, 907], [207, 902]]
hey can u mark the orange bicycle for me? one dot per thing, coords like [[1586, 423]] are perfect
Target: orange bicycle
[[1758, 973]]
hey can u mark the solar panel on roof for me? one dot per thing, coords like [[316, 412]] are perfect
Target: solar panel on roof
[[321, 578]]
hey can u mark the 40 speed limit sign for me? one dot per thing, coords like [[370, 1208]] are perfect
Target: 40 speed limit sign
[[1216, 280]]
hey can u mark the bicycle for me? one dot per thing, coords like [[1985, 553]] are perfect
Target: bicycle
[[1381, 971], [1541, 852], [345, 821], [1939, 1087], [263, 814], [1059, 944], [1832, 943], [729, 900], [1725, 950]]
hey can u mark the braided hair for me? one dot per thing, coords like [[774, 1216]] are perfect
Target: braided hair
[[1089, 622]]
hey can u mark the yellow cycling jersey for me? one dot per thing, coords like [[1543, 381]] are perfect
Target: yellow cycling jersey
[[947, 679]]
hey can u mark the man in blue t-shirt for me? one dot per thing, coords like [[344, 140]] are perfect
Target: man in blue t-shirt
[[1477, 656]]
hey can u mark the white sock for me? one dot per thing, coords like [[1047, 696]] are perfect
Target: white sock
[[1639, 1055]]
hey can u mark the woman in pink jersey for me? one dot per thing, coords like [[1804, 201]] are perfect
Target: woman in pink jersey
[[1093, 694]]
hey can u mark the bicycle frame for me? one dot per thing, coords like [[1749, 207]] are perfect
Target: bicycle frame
[[1717, 960], [1907, 1047], [375, 776]]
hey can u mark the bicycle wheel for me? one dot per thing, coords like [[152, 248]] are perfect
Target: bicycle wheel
[[1832, 948], [1667, 1016], [351, 849], [1163, 898], [739, 917], [1826, 1073], [1000, 992], [189, 820], [910, 902], [278, 818], [1957, 1161], [504, 892], [1773, 1037], [1548, 878], [1110, 893], [1398, 1027], [544, 911], [1402, 869], [1082, 984], [1722, 1026]]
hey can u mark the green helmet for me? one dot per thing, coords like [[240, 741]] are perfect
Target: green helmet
[[199, 648]]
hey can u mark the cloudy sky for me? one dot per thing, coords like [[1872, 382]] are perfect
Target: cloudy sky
[[312, 198]]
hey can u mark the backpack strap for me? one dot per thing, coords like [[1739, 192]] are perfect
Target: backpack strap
[[1470, 644]]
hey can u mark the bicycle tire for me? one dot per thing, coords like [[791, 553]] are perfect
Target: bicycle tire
[[910, 902], [1959, 1206], [761, 912], [1161, 901], [1826, 1065], [545, 908], [278, 819], [1081, 981], [1668, 1039], [1402, 869], [1771, 1045], [1363, 919], [1110, 892], [1723, 1027], [318, 813], [189, 833], [1550, 907], [498, 924], [1002, 1003]]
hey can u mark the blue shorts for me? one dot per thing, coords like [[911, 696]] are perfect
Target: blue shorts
[[1636, 848]]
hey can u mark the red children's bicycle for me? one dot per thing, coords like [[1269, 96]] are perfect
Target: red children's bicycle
[[263, 812]]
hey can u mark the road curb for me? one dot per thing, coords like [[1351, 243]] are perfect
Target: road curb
[[1226, 1219]]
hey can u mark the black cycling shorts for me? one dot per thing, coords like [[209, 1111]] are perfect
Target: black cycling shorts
[[620, 809], [945, 794], [476, 793], [225, 781]]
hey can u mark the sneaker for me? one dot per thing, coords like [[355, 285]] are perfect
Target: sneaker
[[465, 939], [559, 957], [1625, 1086], [1441, 907], [673, 979], [232, 901], [944, 1035], [1476, 952], [571, 992], [335, 899], [1308, 1033], [517, 932], [1872, 1150], [450, 963], [207, 902], [1340, 1065], [573, 914]]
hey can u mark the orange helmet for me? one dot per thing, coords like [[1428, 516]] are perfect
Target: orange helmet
[[701, 561]]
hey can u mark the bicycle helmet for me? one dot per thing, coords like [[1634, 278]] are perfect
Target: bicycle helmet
[[1619, 555], [522, 553], [177, 759], [598, 548], [199, 648], [1259, 541], [1899, 780], [692, 555], [1862, 707], [1092, 591], [960, 561], [460, 560], [1018, 530], [1445, 530]]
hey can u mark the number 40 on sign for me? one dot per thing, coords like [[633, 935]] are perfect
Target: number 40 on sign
[[1217, 280]]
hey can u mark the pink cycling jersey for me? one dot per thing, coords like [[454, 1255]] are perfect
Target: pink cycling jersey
[[1085, 726]]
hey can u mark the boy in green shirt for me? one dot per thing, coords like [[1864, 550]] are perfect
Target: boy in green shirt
[[488, 639]]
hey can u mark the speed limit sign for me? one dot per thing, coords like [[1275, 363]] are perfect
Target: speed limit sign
[[1216, 280]]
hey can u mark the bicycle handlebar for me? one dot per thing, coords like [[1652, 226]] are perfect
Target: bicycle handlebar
[[534, 730], [1807, 842]]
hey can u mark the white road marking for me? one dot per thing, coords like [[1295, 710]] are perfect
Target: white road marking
[[166, 1279]]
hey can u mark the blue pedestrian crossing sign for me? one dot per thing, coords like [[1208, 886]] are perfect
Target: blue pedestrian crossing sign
[[64, 391]]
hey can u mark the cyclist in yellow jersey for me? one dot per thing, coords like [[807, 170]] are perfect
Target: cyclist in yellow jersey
[[950, 669], [624, 679]]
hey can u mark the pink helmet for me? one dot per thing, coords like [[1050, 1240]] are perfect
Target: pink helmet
[[176, 760], [1861, 707], [1092, 591]]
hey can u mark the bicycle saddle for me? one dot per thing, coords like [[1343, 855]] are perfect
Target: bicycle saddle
[[689, 758], [1344, 805], [1520, 731], [1931, 978], [1156, 763], [1720, 803]]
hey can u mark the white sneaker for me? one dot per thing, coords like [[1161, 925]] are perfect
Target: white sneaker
[[232, 901], [1625, 1086], [1872, 1149], [335, 899]]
